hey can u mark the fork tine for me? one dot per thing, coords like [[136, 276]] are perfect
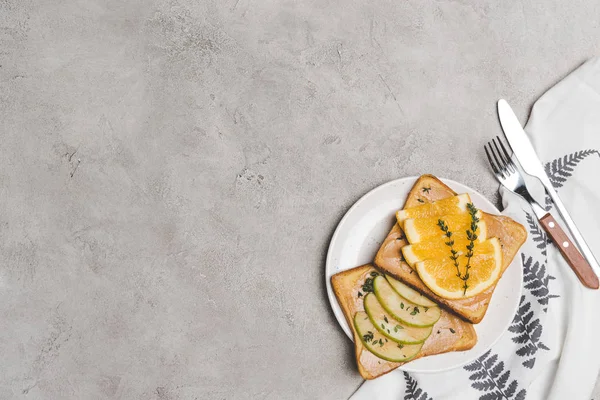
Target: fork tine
[[509, 158], [487, 153], [499, 161], [491, 160], [504, 161]]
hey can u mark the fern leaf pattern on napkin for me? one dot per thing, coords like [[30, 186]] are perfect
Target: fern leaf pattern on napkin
[[527, 325], [489, 376], [536, 280], [559, 169], [528, 332], [562, 168], [413, 391], [537, 234]]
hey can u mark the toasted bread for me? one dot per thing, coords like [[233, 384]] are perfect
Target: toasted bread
[[389, 258], [346, 286]]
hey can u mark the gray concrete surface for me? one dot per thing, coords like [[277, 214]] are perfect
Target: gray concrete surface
[[172, 171]]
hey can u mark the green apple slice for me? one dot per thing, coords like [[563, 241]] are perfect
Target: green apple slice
[[389, 327], [402, 309], [381, 346], [409, 293]]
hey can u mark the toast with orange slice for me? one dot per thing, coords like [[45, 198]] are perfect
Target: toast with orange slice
[[509, 233], [449, 333]]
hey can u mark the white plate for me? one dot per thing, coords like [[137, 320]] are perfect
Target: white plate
[[360, 234]]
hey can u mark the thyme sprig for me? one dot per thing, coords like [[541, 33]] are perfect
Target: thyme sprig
[[450, 243], [471, 236]]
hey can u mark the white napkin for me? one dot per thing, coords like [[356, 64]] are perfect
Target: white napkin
[[552, 349]]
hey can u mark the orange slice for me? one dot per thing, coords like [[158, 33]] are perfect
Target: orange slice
[[435, 249], [428, 240], [440, 274], [447, 206], [424, 229]]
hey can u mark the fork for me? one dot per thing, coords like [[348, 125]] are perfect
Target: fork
[[509, 173]]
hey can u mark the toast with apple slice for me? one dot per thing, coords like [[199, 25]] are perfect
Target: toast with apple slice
[[449, 333], [510, 234]]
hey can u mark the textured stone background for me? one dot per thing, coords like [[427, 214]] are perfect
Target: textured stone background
[[172, 171]]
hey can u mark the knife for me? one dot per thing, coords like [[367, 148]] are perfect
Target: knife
[[531, 164]]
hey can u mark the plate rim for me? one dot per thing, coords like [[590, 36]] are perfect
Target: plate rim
[[339, 313]]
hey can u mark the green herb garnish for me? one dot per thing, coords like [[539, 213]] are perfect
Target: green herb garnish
[[415, 311], [450, 243], [426, 189], [368, 337], [385, 319], [359, 294], [420, 201], [472, 236], [402, 306], [452, 330], [400, 346], [367, 287]]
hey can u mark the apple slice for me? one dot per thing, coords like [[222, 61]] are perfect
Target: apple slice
[[389, 327], [409, 293], [381, 346], [402, 309]]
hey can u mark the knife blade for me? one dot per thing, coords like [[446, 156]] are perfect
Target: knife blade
[[520, 143], [525, 153]]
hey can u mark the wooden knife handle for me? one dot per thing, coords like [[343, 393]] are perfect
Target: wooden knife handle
[[580, 266]]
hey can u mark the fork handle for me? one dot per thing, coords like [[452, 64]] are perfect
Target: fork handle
[[578, 263]]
